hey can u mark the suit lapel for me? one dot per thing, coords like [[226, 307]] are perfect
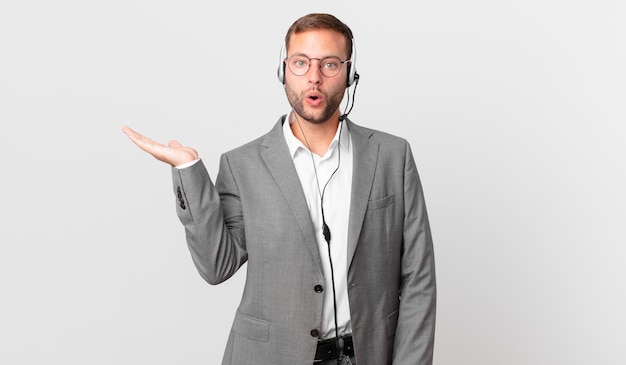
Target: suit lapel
[[275, 154], [365, 156]]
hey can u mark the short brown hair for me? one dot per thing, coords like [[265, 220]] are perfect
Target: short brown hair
[[320, 21]]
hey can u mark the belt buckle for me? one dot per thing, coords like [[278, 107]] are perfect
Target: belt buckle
[[340, 344], [335, 350]]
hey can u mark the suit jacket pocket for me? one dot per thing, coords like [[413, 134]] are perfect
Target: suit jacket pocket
[[380, 203], [392, 323], [251, 328]]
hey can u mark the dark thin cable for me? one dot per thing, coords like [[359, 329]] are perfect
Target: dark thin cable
[[325, 229], [345, 113], [321, 192]]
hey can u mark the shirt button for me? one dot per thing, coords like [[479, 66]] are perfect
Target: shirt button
[[315, 333], [318, 288]]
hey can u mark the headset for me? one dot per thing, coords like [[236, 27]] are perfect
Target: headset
[[352, 75]]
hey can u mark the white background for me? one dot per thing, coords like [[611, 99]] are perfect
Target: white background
[[515, 111]]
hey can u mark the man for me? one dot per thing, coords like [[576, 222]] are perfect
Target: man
[[329, 216]]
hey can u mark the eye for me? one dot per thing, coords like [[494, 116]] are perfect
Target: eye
[[331, 63], [300, 62]]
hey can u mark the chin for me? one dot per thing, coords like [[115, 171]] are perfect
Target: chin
[[319, 119]]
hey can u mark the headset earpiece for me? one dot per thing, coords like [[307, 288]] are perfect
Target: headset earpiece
[[282, 64], [352, 75]]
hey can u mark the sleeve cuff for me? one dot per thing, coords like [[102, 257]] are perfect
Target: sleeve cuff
[[188, 164]]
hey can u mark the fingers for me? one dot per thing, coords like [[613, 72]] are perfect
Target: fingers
[[138, 138], [145, 143], [175, 144], [131, 133]]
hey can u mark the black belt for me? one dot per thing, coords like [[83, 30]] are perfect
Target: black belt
[[329, 349]]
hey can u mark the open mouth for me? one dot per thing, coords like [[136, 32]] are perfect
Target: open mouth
[[314, 96]]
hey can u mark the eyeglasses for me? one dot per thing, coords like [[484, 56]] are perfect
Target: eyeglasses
[[329, 66]]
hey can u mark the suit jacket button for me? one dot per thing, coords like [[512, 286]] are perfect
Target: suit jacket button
[[315, 333], [318, 288], [181, 201]]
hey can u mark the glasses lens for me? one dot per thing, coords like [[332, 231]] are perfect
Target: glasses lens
[[298, 65], [330, 66]]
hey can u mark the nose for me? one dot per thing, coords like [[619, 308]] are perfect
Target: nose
[[314, 74]]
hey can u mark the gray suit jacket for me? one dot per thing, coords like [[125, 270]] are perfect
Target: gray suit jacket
[[256, 213]]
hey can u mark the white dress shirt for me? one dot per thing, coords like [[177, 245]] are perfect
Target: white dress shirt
[[336, 213]]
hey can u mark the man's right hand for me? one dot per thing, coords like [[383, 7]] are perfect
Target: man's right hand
[[174, 153]]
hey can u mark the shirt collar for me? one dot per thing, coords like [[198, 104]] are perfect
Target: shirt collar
[[295, 144]]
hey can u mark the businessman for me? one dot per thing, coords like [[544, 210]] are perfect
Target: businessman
[[328, 215]]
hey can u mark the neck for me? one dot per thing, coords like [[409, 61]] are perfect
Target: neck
[[316, 136]]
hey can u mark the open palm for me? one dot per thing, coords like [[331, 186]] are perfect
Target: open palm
[[173, 153]]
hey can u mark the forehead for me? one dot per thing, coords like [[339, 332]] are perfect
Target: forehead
[[318, 43]]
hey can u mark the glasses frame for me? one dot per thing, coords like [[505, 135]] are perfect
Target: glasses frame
[[319, 64]]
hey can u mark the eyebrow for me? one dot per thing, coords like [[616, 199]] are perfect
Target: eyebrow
[[313, 58]]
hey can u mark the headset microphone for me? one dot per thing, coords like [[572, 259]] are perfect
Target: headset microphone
[[326, 232], [343, 116]]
